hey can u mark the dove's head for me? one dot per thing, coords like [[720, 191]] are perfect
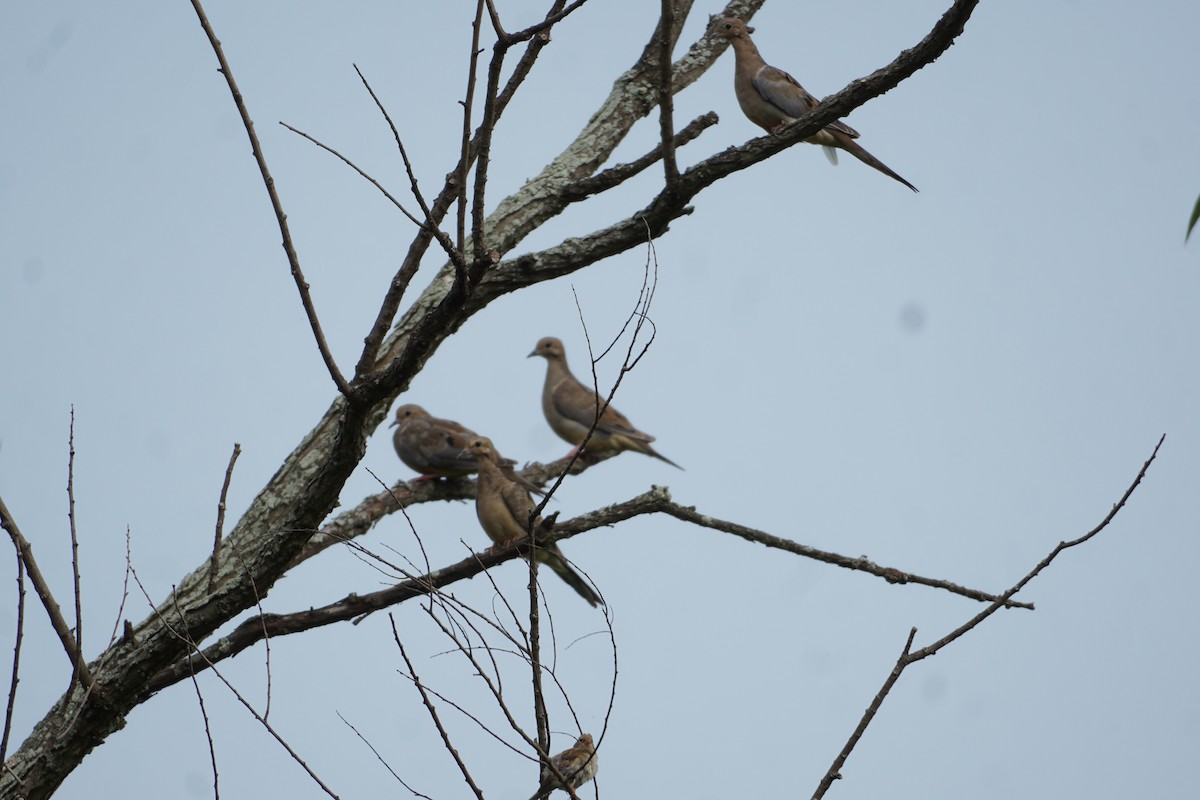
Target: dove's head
[[730, 28], [407, 412], [482, 449], [550, 349]]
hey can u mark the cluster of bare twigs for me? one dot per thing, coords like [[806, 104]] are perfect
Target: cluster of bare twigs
[[289, 522]]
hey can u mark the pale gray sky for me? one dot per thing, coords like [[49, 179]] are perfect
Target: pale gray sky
[[1055, 147]]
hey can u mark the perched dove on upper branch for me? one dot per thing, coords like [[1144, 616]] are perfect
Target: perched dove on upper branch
[[772, 99], [504, 510], [578, 764], [570, 408], [437, 448]]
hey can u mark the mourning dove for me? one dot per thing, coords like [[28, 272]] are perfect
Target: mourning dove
[[771, 98], [570, 408], [437, 448], [578, 764], [504, 507]]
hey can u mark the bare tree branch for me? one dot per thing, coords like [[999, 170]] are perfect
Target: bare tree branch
[[615, 176], [860, 563], [553, 18], [667, 33], [42, 588], [657, 500], [908, 656], [298, 498]]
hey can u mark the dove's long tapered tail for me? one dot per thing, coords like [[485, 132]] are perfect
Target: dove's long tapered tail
[[858, 151], [555, 561]]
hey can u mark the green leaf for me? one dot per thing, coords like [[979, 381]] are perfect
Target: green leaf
[[1192, 221]]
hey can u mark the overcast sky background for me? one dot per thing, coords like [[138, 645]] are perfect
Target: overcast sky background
[[949, 382]]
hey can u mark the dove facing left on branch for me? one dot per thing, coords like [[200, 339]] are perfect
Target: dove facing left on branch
[[772, 99], [570, 408]]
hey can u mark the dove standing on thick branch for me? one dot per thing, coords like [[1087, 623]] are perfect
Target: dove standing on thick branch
[[570, 408], [772, 99], [437, 448], [504, 508]]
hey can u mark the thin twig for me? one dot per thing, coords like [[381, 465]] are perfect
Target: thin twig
[[266, 639], [361, 172], [74, 539], [216, 553], [381, 759], [112, 636], [185, 637], [834, 772], [276, 204], [433, 714], [464, 161], [493, 686], [639, 312], [414, 186], [412, 526], [523, 651], [212, 749], [429, 229], [540, 716], [16, 660]]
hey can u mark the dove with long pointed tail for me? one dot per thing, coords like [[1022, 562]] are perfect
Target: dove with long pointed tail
[[504, 508], [570, 408], [771, 98]]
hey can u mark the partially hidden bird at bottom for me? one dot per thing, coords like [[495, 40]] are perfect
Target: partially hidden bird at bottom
[[578, 764], [772, 99], [570, 408], [437, 448], [504, 508]]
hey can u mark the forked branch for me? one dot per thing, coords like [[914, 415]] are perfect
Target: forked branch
[[908, 656]]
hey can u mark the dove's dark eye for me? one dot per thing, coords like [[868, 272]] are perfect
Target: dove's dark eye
[[728, 26]]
